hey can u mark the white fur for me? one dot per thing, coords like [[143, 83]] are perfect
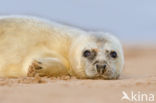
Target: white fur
[[25, 39]]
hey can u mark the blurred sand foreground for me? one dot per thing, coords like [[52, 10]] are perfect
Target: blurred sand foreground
[[138, 76]]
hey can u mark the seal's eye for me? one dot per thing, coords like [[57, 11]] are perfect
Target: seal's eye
[[86, 53], [113, 54]]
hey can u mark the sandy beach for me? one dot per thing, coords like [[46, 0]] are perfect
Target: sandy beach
[[138, 76]]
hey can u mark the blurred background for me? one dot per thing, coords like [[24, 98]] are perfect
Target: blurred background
[[133, 21]]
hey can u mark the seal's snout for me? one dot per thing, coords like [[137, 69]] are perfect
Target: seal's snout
[[101, 68]]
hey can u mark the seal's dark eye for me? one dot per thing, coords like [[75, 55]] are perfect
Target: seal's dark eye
[[113, 54], [86, 53]]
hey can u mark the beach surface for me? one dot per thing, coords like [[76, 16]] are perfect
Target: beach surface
[[138, 77]]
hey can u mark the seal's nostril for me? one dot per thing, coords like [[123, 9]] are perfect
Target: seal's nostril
[[103, 69], [104, 66], [100, 68], [97, 66]]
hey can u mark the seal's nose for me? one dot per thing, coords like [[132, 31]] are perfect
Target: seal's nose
[[101, 68]]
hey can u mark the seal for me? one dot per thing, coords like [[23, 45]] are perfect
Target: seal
[[31, 46]]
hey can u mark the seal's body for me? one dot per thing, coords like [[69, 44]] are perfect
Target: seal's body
[[30, 46]]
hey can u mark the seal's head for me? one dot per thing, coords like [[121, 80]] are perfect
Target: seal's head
[[97, 56]]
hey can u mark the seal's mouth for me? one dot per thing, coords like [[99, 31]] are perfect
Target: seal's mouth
[[107, 75], [102, 77]]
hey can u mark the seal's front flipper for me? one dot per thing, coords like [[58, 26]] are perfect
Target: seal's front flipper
[[47, 67]]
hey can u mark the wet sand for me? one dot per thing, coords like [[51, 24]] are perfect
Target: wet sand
[[139, 76]]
